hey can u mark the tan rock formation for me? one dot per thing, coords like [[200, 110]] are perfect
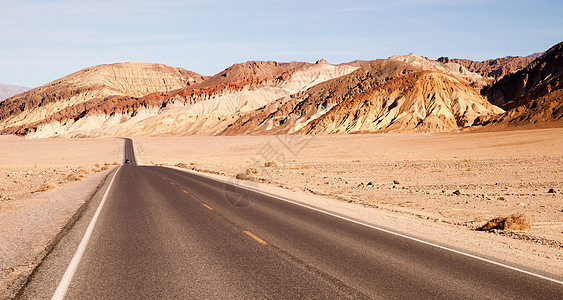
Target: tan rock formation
[[474, 79], [92, 84]]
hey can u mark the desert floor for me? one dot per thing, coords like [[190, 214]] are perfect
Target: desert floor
[[496, 173], [31, 165]]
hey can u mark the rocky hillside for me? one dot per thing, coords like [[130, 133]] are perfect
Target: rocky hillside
[[494, 68], [533, 94], [406, 93], [8, 90], [89, 86], [194, 105], [452, 68], [385, 95]]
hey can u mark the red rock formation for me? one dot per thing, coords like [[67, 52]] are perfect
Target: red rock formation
[[380, 96], [83, 94]]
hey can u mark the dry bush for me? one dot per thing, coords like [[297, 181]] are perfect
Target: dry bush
[[244, 176], [96, 170], [270, 164], [82, 171], [104, 167], [47, 186], [182, 165], [251, 171], [517, 222], [512, 222]]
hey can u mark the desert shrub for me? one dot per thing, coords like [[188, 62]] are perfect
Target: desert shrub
[[244, 176], [270, 164], [517, 222], [512, 222], [47, 186], [104, 167], [82, 171]]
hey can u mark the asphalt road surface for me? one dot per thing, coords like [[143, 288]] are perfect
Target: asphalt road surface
[[161, 233]]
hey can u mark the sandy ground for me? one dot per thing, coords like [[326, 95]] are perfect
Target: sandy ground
[[413, 175], [42, 185], [31, 165]]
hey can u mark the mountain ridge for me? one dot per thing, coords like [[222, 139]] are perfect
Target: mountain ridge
[[244, 86], [10, 90], [404, 93], [493, 68]]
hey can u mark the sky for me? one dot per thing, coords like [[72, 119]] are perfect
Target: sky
[[44, 40]]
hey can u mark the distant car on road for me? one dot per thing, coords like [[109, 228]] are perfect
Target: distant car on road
[[126, 161]]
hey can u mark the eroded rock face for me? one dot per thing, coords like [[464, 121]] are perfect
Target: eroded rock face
[[449, 67], [533, 94], [134, 79], [386, 95], [494, 68], [283, 115], [425, 101]]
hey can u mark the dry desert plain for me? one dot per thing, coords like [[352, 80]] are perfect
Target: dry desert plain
[[439, 187]]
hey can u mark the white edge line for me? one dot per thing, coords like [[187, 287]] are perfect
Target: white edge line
[[386, 230], [71, 269]]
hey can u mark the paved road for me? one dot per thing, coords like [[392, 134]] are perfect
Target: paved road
[[164, 233]]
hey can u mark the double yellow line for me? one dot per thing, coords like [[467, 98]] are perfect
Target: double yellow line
[[250, 234]]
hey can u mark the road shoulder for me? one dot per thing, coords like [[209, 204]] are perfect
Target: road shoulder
[[31, 227]]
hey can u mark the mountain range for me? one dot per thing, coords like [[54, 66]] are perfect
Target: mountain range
[[8, 90], [407, 93]]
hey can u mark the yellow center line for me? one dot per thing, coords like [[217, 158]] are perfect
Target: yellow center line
[[185, 192], [259, 240], [209, 207]]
